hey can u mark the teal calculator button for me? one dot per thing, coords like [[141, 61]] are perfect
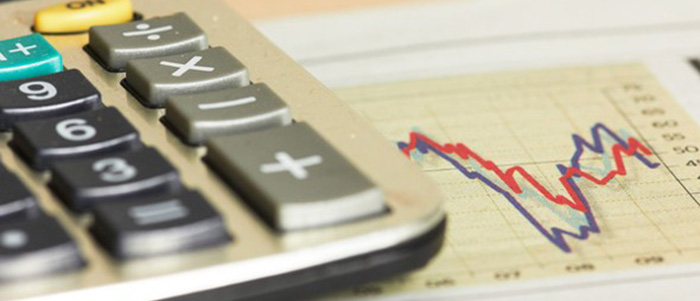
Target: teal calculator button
[[28, 56]]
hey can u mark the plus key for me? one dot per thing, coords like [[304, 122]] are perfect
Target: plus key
[[26, 57], [20, 48], [297, 168], [294, 178], [23, 49]]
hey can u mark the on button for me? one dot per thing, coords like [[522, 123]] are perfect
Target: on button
[[79, 15]]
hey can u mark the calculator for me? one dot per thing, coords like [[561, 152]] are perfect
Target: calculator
[[164, 149]]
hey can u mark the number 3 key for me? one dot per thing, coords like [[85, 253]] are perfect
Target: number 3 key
[[80, 183]]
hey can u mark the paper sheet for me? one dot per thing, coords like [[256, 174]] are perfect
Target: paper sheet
[[264, 9], [419, 68]]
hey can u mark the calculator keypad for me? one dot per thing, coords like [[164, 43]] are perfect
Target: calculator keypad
[[152, 81], [98, 166], [73, 136], [36, 247], [158, 225], [200, 116], [46, 96], [115, 45], [294, 178], [80, 183]]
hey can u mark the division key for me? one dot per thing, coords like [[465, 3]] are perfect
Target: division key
[[114, 45]]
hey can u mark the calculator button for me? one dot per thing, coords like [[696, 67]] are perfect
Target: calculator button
[[157, 225], [15, 200], [154, 80], [84, 134], [294, 178], [115, 45], [80, 183], [28, 56], [80, 15], [198, 116], [46, 96], [36, 247]]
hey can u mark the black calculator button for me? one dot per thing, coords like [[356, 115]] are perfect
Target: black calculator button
[[157, 225], [36, 247], [46, 96], [84, 134], [16, 201], [80, 183]]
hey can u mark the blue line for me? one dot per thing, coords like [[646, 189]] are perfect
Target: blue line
[[557, 235]]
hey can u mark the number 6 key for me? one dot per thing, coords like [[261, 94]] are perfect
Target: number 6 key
[[46, 96], [86, 134]]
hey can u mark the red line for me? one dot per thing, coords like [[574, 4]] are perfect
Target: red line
[[508, 176]]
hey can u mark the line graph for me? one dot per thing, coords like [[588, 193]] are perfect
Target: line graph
[[545, 173], [577, 201]]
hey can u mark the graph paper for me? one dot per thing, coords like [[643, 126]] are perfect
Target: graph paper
[[547, 173]]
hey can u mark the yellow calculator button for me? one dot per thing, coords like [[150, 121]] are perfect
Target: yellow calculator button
[[78, 16]]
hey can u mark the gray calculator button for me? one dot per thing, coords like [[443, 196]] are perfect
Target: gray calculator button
[[199, 116], [294, 178], [155, 80], [115, 45]]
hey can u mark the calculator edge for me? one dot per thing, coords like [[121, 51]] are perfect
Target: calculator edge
[[414, 198]]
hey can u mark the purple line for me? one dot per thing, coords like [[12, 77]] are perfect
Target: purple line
[[557, 235]]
